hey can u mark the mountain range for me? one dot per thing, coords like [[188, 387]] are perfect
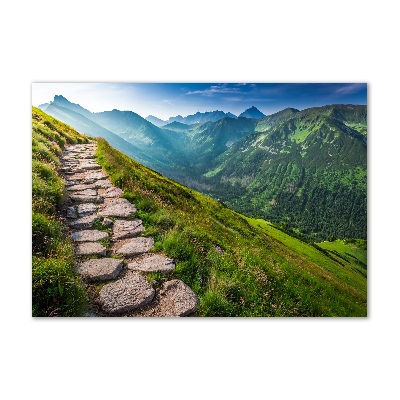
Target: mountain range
[[306, 170], [201, 118]]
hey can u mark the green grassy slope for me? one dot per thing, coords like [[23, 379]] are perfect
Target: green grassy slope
[[56, 290], [237, 267]]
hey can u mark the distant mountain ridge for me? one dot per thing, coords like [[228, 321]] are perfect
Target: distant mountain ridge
[[199, 118], [155, 121], [178, 126]]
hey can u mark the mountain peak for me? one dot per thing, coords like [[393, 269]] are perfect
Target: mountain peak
[[58, 98], [252, 112]]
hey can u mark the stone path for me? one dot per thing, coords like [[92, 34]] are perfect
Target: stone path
[[113, 256]]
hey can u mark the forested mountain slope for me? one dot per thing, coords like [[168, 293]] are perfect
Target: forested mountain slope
[[309, 172]]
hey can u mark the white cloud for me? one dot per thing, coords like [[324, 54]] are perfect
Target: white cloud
[[351, 88], [224, 89]]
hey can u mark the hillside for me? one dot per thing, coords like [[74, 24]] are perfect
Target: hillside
[[56, 290]]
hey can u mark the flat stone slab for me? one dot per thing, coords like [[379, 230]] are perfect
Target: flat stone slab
[[91, 235], [84, 222], [95, 175], [84, 168], [134, 246], [126, 294], [86, 181], [75, 176], [86, 209], [80, 187], [152, 263], [87, 192], [86, 199], [89, 166], [126, 229], [113, 192], [174, 299], [100, 269], [72, 182], [118, 208], [90, 249], [103, 183]]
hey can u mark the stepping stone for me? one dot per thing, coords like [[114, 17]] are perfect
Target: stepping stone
[[178, 299], [87, 192], [65, 169], [96, 175], [126, 229], [91, 235], [84, 222], [118, 208], [90, 249], [90, 165], [80, 187], [71, 212], [86, 161], [86, 167], [126, 294], [72, 182], [134, 246], [113, 192], [75, 177], [104, 184], [152, 263], [174, 299], [86, 199], [86, 209], [100, 269], [86, 181]]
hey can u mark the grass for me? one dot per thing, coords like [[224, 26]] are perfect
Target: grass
[[351, 251], [237, 266], [56, 289]]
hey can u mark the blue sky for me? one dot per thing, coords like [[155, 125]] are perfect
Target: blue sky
[[164, 100]]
